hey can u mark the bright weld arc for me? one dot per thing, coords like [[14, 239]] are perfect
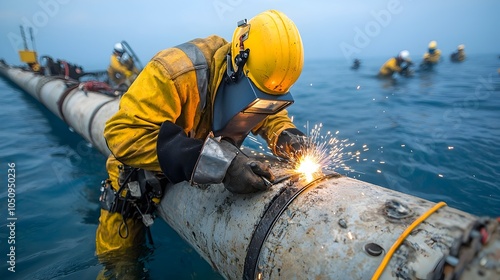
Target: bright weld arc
[[322, 152]]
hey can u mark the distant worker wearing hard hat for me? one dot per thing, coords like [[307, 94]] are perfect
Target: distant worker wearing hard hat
[[121, 70], [459, 55], [356, 64], [399, 64], [184, 94], [433, 54]]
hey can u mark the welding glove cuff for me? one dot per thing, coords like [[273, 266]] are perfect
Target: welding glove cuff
[[177, 153], [290, 143], [222, 162], [215, 158]]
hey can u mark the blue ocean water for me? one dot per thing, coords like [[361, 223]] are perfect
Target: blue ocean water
[[434, 135]]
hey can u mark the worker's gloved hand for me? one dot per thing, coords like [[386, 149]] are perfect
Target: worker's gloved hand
[[291, 143], [220, 161], [245, 175]]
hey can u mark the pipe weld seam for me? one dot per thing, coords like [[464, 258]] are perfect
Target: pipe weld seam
[[61, 100], [267, 222], [92, 116], [43, 81]]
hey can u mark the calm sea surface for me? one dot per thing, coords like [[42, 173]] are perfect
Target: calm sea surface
[[435, 135]]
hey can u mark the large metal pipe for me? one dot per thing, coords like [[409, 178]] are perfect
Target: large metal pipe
[[85, 112], [332, 228]]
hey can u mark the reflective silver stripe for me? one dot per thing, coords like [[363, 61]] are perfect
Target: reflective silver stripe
[[201, 67]]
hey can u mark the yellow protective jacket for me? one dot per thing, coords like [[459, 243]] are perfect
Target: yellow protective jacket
[[119, 72], [432, 57], [166, 91], [389, 67]]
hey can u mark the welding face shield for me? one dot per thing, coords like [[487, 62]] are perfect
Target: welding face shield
[[239, 106], [259, 75]]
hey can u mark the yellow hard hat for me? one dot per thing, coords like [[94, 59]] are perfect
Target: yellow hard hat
[[276, 55], [432, 45]]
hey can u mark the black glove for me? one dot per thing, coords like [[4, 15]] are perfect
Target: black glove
[[291, 143], [245, 175]]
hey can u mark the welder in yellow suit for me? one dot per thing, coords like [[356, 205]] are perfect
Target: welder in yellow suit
[[393, 64], [121, 69], [175, 106]]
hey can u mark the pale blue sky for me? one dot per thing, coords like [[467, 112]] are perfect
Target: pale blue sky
[[85, 31]]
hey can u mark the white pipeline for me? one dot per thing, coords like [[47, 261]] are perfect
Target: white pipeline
[[332, 228], [85, 112]]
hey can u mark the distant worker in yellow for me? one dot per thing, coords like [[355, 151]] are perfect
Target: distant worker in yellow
[[121, 70], [399, 64], [459, 55], [433, 55]]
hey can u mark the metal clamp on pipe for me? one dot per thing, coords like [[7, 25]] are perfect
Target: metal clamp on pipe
[[265, 226]]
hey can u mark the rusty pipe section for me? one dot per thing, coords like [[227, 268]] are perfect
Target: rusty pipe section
[[332, 228]]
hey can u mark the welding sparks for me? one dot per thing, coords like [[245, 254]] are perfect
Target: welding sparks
[[321, 152], [308, 166]]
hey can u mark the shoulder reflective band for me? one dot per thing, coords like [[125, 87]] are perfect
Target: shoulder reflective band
[[201, 67]]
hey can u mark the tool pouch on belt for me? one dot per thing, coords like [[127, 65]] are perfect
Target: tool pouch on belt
[[138, 194]]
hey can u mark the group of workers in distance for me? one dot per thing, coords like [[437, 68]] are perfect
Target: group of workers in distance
[[184, 118], [122, 71], [402, 62]]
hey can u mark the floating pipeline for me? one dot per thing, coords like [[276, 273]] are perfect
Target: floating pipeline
[[331, 228], [84, 111]]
